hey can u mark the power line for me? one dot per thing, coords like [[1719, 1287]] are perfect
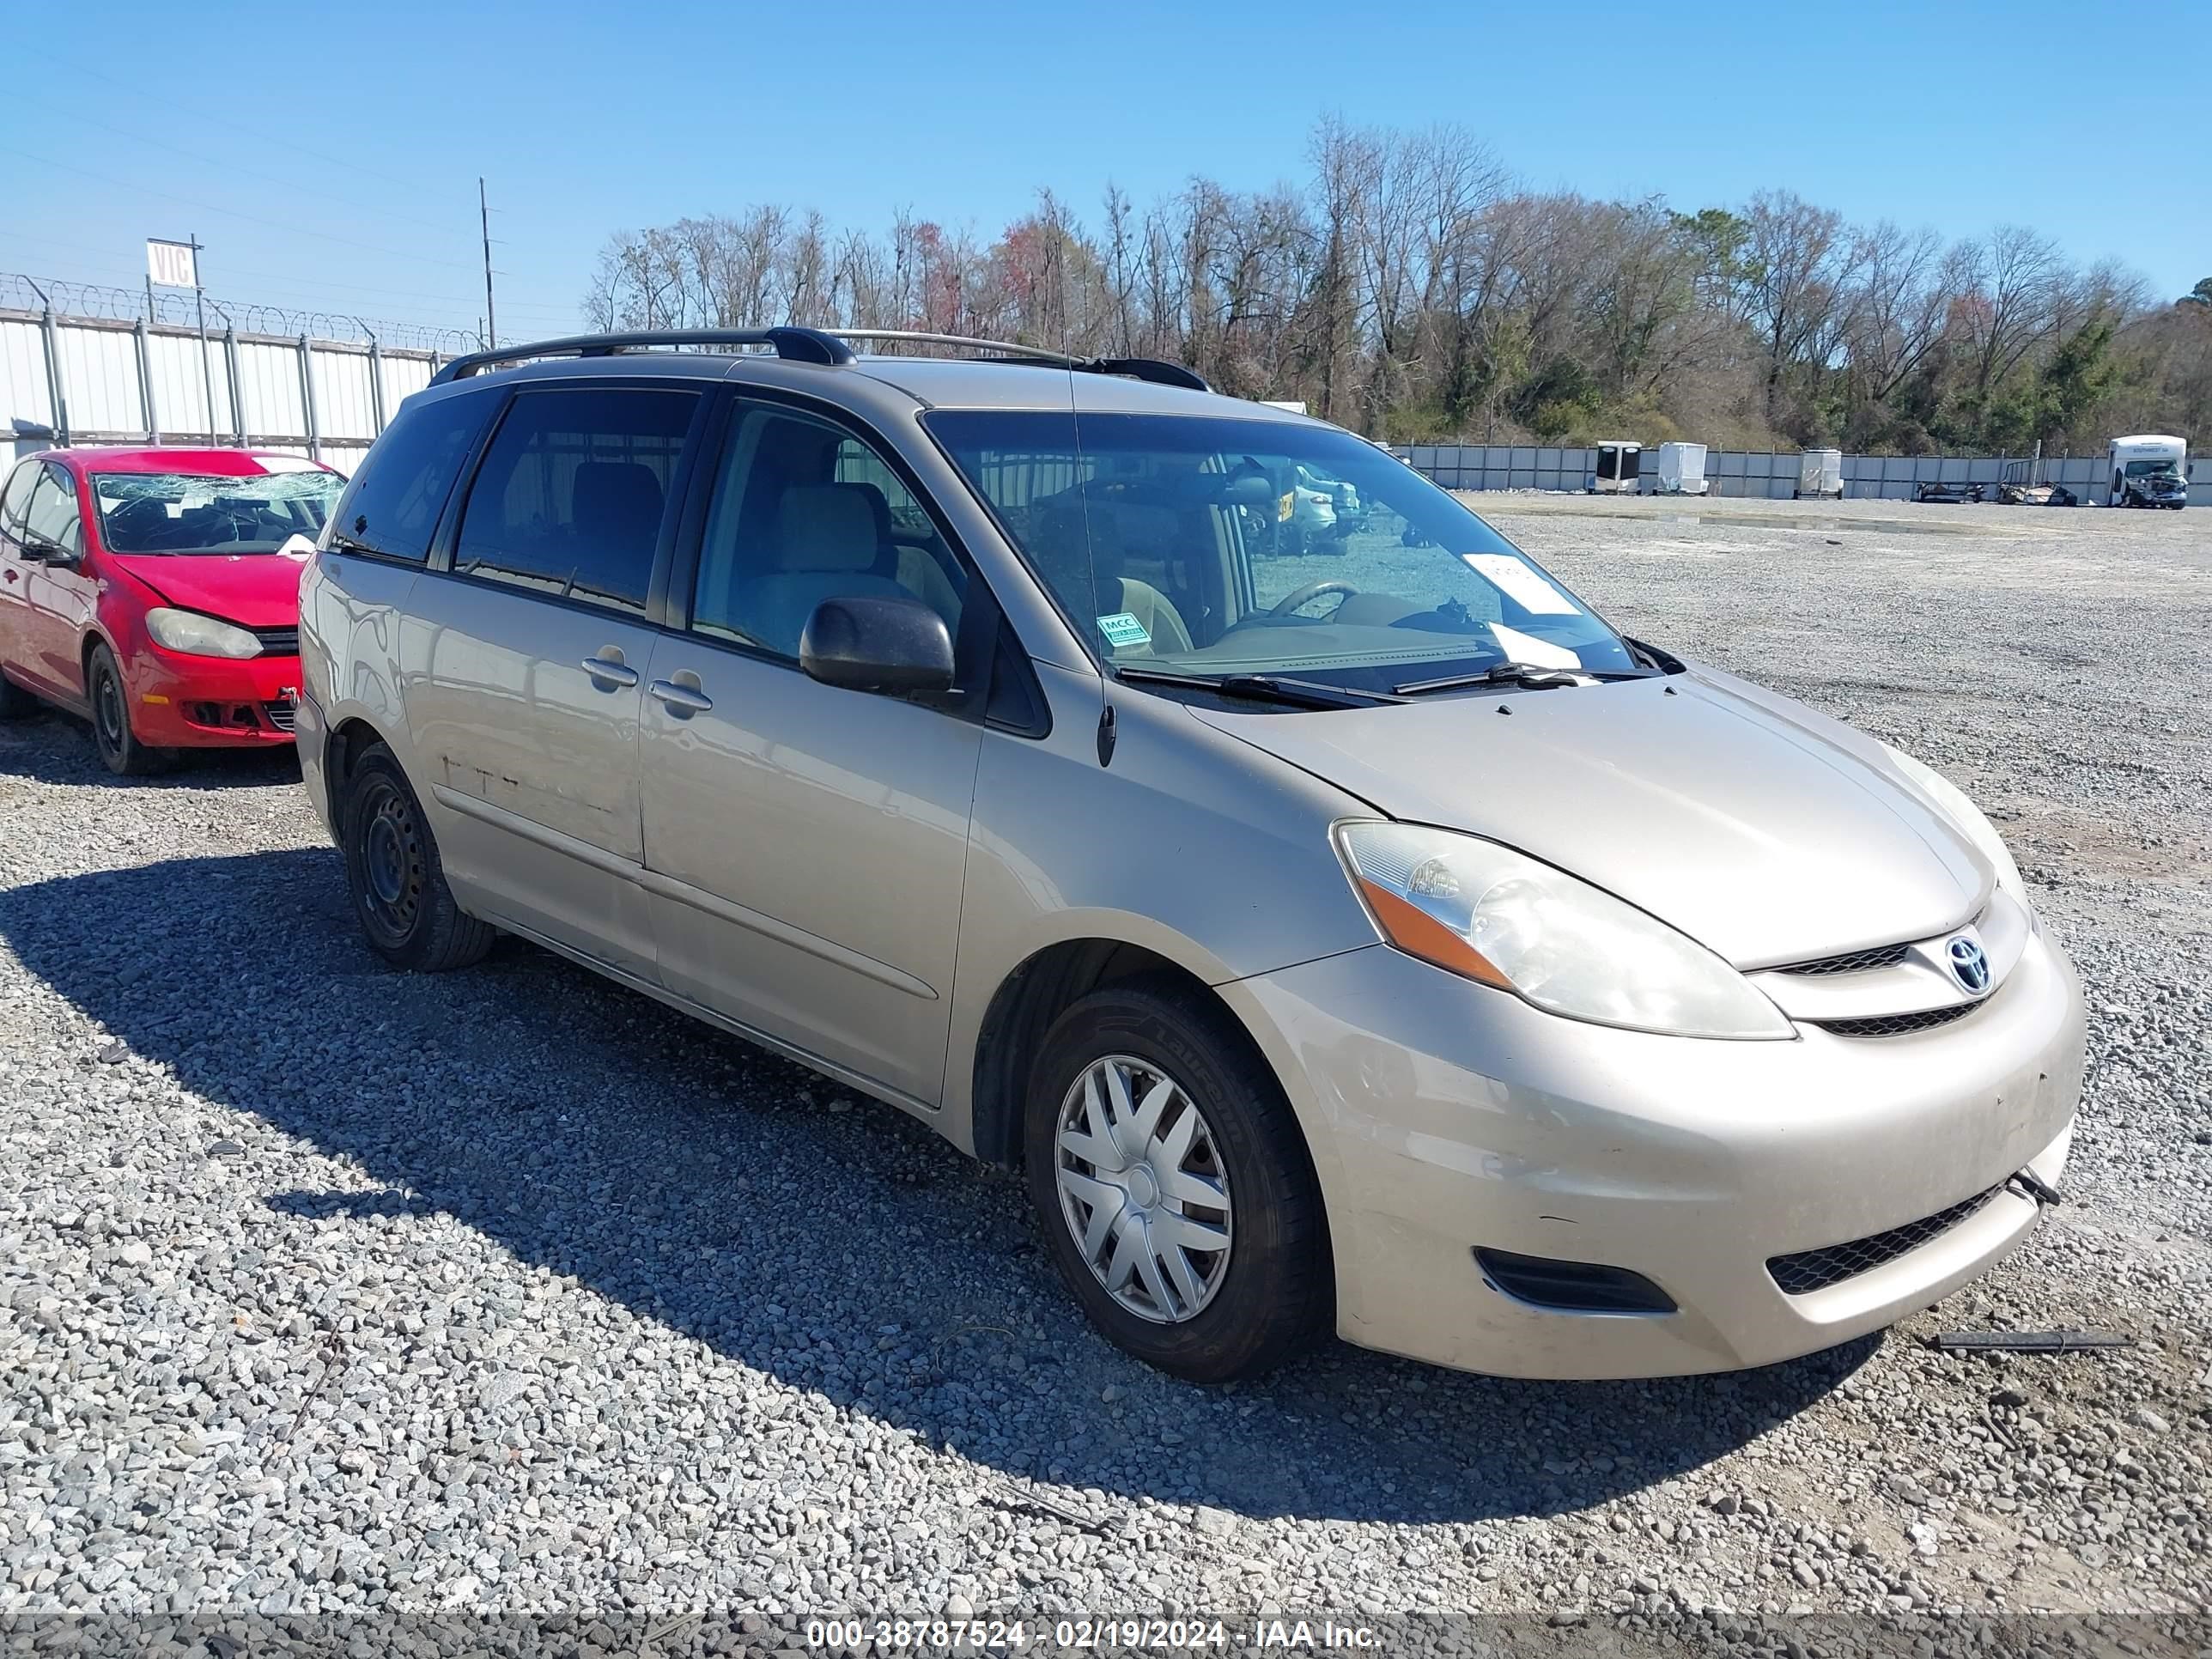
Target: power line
[[264, 133], [233, 213], [250, 173]]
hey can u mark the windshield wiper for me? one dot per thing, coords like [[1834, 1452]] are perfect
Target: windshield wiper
[[1259, 688], [1534, 676]]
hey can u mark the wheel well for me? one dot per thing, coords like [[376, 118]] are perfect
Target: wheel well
[[1023, 1009], [347, 743]]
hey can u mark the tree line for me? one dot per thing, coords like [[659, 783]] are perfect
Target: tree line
[[1411, 287]]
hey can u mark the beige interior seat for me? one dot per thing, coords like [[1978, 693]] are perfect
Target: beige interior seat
[[829, 541]]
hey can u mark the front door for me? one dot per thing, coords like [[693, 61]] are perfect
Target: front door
[[14, 570], [806, 845], [525, 660], [58, 593]]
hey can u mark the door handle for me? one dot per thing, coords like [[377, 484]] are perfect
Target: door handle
[[610, 670], [681, 699]]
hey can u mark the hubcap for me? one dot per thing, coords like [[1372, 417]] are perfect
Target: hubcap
[[1143, 1190]]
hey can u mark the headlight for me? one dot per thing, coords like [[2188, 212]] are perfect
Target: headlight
[[1972, 824], [200, 636], [1502, 919]]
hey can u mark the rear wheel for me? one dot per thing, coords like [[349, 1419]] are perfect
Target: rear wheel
[[398, 886], [1173, 1187], [120, 751]]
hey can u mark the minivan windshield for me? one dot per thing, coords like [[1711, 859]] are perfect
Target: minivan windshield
[[1219, 547], [206, 513]]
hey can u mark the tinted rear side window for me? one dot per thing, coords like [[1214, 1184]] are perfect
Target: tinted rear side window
[[394, 505], [572, 492]]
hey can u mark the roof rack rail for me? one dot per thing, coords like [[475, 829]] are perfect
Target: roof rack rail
[[1136, 368], [803, 345], [813, 345]]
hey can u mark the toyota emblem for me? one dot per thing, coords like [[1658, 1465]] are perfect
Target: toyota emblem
[[1970, 965]]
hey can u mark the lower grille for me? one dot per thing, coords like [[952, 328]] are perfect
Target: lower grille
[[1806, 1270], [1882, 1025], [280, 714]]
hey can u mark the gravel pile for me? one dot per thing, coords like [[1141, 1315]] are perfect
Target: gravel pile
[[333, 1294]]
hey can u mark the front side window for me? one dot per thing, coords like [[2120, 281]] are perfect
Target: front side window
[[803, 512], [21, 483], [50, 519], [571, 495], [1215, 546], [194, 513]]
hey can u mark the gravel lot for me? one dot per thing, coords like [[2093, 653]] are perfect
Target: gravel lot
[[329, 1291]]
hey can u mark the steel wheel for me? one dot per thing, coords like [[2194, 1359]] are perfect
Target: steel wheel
[[392, 863], [109, 718], [120, 751], [1143, 1190]]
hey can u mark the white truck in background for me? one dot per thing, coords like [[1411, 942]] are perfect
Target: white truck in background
[[2148, 470]]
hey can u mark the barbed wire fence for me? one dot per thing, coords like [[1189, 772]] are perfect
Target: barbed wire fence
[[172, 308]]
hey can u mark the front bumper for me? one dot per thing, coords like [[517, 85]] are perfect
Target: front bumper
[[211, 703], [1450, 1117]]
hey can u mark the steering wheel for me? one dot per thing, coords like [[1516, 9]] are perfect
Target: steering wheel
[[1310, 592], [140, 520]]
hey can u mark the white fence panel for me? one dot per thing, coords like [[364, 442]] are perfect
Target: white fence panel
[[269, 383], [181, 381], [100, 371], [403, 378], [23, 374], [345, 405]]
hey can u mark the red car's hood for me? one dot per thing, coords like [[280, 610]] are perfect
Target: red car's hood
[[258, 590]]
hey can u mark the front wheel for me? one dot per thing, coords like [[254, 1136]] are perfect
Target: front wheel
[[120, 751], [1175, 1189], [398, 886]]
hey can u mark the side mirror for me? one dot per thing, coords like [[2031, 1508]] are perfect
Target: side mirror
[[40, 551], [868, 644]]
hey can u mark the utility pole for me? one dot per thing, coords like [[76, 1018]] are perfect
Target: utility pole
[[199, 301], [483, 213]]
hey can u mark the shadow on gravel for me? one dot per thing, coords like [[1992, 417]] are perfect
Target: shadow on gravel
[[51, 747], [828, 1242]]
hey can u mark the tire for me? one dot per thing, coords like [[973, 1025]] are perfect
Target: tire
[[1270, 1292], [400, 899], [120, 751]]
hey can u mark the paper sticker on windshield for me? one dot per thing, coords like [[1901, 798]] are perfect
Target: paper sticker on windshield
[[1521, 584], [1526, 647], [1122, 629]]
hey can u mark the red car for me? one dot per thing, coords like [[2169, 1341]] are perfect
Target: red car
[[157, 592]]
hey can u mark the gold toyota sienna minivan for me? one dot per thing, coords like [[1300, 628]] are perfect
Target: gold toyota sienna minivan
[[1341, 924]]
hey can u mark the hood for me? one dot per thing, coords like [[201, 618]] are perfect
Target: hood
[[257, 590], [1766, 831]]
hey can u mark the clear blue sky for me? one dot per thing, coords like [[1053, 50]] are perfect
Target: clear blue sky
[[329, 159]]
